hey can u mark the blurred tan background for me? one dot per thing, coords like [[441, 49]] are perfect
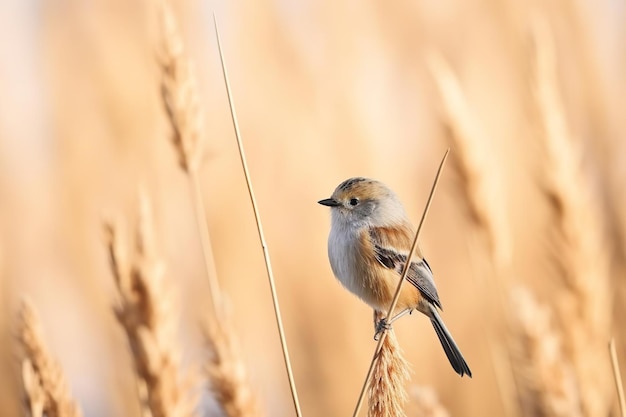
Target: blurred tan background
[[324, 91]]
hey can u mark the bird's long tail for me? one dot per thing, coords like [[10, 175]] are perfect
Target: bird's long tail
[[449, 346]]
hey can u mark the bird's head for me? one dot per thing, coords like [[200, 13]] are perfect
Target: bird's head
[[363, 201]]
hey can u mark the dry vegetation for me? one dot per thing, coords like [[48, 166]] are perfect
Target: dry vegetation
[[227, 373], [525, 235], [147, 312], [545, 378], [45, 388], [386, 391]]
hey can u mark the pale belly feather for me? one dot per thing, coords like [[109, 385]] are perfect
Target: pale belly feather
[[349, 268]]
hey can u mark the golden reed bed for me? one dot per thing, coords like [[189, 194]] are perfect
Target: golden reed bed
[[526, 235]]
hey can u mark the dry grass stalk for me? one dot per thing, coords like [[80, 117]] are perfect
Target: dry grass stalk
[[545, 378], [46, 389], [179, 95], [584, 304], [386, 391], [427, 403], [147, 313], [618, 378], [180, 98], [480, 186], [227, 372], [259, 225], [383, 336]]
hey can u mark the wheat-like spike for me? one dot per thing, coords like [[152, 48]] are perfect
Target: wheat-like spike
[[386, 390], [545, 378], [46, 389], [35, 395], [179, 91], [180, 98], [427, 403], [227, 372], [480, 185], [482, 192], [147, 314], [584, 305]]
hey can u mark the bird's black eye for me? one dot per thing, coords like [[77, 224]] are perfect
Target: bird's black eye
[[354, 201]]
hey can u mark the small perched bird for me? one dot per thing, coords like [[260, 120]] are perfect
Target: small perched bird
[[369, 242]]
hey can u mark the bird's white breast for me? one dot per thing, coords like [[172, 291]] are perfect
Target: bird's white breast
[[343, 244]]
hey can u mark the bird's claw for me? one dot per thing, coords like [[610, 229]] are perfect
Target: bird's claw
[[381, 327]]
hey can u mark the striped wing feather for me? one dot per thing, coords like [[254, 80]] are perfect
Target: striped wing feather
[[392, 246]]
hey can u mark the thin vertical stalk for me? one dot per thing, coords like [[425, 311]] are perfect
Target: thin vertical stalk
[[399, 288], [257, 217], [205, 241], [618, 378]]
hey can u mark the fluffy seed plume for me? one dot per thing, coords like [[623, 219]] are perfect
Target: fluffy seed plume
[[178, 91], [227, 372], [545, 378], [46, 389], [386, 390], [148, 316], [584, 305]]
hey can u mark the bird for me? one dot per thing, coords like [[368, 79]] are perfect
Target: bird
[[368, 245]]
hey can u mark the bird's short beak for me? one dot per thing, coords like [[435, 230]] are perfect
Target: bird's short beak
[[330, 202]]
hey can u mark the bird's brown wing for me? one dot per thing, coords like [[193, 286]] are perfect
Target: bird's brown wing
[[419, 274]]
